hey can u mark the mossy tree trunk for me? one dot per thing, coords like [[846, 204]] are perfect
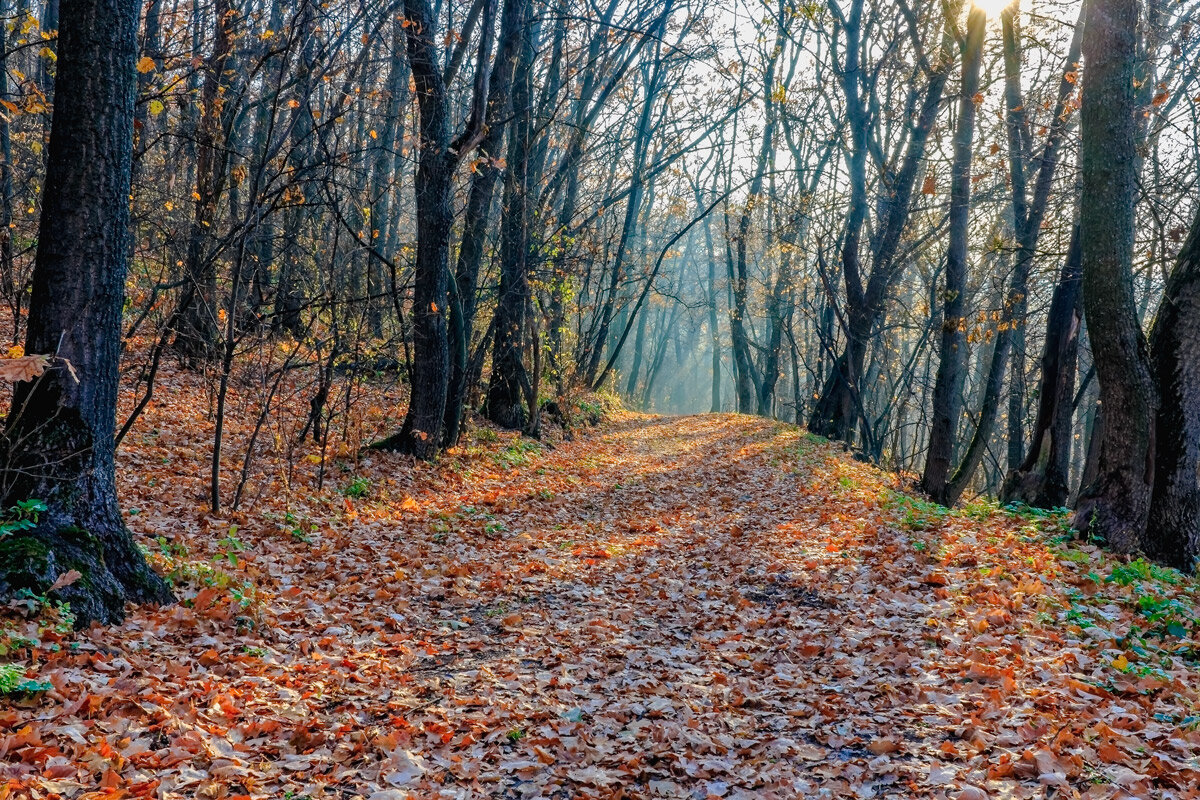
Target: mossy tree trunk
[[58, 439]]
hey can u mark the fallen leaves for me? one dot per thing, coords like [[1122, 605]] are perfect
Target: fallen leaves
[[696, 607]]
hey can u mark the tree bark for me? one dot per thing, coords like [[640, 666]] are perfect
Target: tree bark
[[1043, 478], [421, 433], [463, 287], [952, 361], [505, 393], [58, 438], [1173, 535], [1116, 505]]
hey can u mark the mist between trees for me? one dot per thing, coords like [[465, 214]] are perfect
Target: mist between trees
[[957, 238]]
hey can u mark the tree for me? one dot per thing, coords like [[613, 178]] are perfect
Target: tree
[[947, 393], [199, 335], [421, 434], [506, 389], [1173, 534], [839, 403], [1042, 479], [464, 298], [1115, 505], [1028, 212], [58, 438]]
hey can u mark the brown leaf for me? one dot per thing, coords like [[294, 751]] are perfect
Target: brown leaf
[[65, 580], [25, 368]]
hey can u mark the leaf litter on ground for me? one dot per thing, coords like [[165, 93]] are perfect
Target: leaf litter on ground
[[703, 607]]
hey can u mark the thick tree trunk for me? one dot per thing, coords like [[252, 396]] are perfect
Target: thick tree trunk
[[1116, 505], [952, 361], [1173, 535], [58, 439], [421, 434]]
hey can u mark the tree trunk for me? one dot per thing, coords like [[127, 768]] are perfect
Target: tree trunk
[[289, 283], [839, 404], [779, 314], [714, 328], [58, 439], [198, 333], [1173, 535], [1028, 214], [421, 433], [505, 395], [8, 283], [595, 355], [952, 361], [1116, 505], [151, 48], [463, 288], [639, 343], [1043, 478], [383, 178]]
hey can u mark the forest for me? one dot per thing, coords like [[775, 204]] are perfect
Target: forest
[[600, 398]]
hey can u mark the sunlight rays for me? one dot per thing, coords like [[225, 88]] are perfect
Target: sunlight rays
[[993, 8]]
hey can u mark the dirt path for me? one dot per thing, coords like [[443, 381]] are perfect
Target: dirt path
[[688, 607]]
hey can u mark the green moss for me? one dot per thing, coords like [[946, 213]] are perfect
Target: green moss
[[18, 551], [24, 561], [79, 537]]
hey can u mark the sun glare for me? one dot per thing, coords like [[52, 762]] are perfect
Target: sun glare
[[993, 7]]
